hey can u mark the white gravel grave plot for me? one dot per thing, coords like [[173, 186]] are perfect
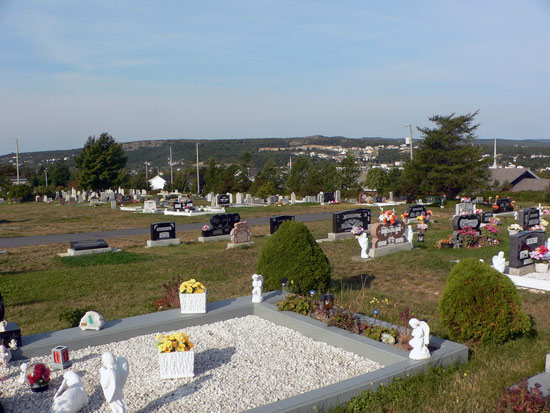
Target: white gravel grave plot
[[240, 364]]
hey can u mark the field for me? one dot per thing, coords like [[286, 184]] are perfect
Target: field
[[37, 285]]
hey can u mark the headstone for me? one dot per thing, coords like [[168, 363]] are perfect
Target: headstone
[[272, 200], [239, 198], [209, 196], [320, 196], [248, 199], [529, 217], [150, 206], [126, 199], [464, 208], [338, 196], [415, 211], [143, 192], [240, 233], [292, 198], [221, 224], [328, 197], [461, 222], [362, 198], [94, 202], [72, 200], [521, 245], [38, 198], [503, 205], [231, 198], [223, 199], [344, 221], [45, 198], [88, 244], [2, 201], [410, 198], [113, 204], [103, 197], [478, 200], [486, 217], [163, 230], [73, 193], [62, 201], [387, 234], [391, 196], [275, 222], [178, 206]]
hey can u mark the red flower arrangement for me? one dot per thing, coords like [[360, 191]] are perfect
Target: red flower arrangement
[[38, 376]]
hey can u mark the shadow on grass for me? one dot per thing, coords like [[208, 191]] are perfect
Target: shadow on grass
[[357, 282]]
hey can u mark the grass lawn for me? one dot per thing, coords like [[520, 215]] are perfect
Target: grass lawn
[[36, 284]]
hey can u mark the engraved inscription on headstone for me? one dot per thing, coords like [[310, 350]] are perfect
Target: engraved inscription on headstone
[[522, 244], [345, 220], [387, 234], [486, 217], [415, 211], [88, 244], [223, 199], [163, 230], [529, 217], [328, 197], [275, 222], [221, 224]]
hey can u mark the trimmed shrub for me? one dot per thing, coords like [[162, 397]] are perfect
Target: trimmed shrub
[[480, 304], [293, 253]]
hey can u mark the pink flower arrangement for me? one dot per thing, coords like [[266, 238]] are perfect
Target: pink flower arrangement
[[540, 254]]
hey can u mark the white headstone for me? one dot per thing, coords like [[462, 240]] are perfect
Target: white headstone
[[292, 198], [150, 206], [239, 198], [92, 320], [337, 196], [230, 198], [113, 204], [248, 199]]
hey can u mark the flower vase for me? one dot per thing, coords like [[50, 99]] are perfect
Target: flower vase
[[541, 267], [512, 232], [420, 236], [193, 303], [177, 364]]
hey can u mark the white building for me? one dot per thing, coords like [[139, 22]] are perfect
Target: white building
[[157, 183]]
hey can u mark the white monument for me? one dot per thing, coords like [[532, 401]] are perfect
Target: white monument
[[420, 340], [71, 395], [409, 234], [257, 282], [113, 378], [499, 262], [363, 241], [92, 320]]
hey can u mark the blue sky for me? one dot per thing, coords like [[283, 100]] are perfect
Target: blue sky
[[260, 69]]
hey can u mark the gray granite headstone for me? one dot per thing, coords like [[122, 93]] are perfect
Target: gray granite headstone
[[522, 244]]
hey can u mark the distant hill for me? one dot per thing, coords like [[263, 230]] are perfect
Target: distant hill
[[277, 149]]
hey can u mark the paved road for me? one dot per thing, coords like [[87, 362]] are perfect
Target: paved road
[[57, 238]]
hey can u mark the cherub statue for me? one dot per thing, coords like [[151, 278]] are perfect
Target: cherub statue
[[23, 374], [113, 377], [499, 262], [71, 395], [257, 282], [420, 340], [5, 355]]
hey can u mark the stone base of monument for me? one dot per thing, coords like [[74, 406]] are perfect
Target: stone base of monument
[[333, 236], [390, 249], [522, 270], [215, 238], [163, 242], [240, 245], [73, 253]]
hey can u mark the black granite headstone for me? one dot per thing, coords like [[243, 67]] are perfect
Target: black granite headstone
[[462, 221], [415, 211], [178, 206], [378, 199], [504, 205], [344, 221], [275, 222], [522, 244], [221, 224], [410, 198], [223, 199], [90, 244], [328, 197], [529, 217], [163, 230], [486, 217]]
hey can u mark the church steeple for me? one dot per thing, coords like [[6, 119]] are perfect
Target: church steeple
[[494, 165]]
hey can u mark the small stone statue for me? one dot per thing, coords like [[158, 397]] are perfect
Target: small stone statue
[[23, 374], [113, 378], [420, 340], [3, 325], [499, 262], [363, 241], [409, 234], [71, 395], [515, 215], [5, 355], [257, 282]]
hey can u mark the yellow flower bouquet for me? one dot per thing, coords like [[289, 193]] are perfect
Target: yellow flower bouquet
[[167, 343], [191, 287]]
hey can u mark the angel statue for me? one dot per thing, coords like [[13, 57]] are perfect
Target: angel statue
[[420, 340], [113, 377], [71, 395], [257, 282]]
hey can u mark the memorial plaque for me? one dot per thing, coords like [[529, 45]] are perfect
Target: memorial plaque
[[415, 211], [486, 217], [328, 197], [221, 224], [344, 221], [90, 244], [522, 244], [362, 198], [387, 234], [163, 230], [529, 217], [379, 199], [223, 199], [275, 222]]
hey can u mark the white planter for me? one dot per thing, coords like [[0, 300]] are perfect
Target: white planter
[[541, 267], [177, 364], [193, 303], [512, 232]]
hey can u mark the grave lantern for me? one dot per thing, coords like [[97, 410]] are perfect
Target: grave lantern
[[60, 356], [283, 284], [328, 301]]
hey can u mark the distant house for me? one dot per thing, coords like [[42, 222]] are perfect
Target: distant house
[[519, 179], [157, 183]]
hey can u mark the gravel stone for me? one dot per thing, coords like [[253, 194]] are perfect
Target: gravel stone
[[239, 364]]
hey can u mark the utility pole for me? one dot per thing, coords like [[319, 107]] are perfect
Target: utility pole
[[46, 172], [411, 139], [198, 183], [146, 173], [171, 173], [17, 158]]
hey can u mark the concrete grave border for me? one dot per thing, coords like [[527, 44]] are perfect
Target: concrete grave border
[[397, 363]]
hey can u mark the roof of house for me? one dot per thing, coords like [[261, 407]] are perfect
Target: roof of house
[[531, 185], [511, 175]]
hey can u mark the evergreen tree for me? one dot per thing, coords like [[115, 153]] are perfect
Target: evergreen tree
[[297, 180], [349, 172], [447, 162], [100, 163], [59, 173]]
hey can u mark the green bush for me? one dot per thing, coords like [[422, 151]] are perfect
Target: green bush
[[293, 253], [480, 304]]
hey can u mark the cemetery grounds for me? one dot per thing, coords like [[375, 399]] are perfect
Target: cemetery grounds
[[38, 287]]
